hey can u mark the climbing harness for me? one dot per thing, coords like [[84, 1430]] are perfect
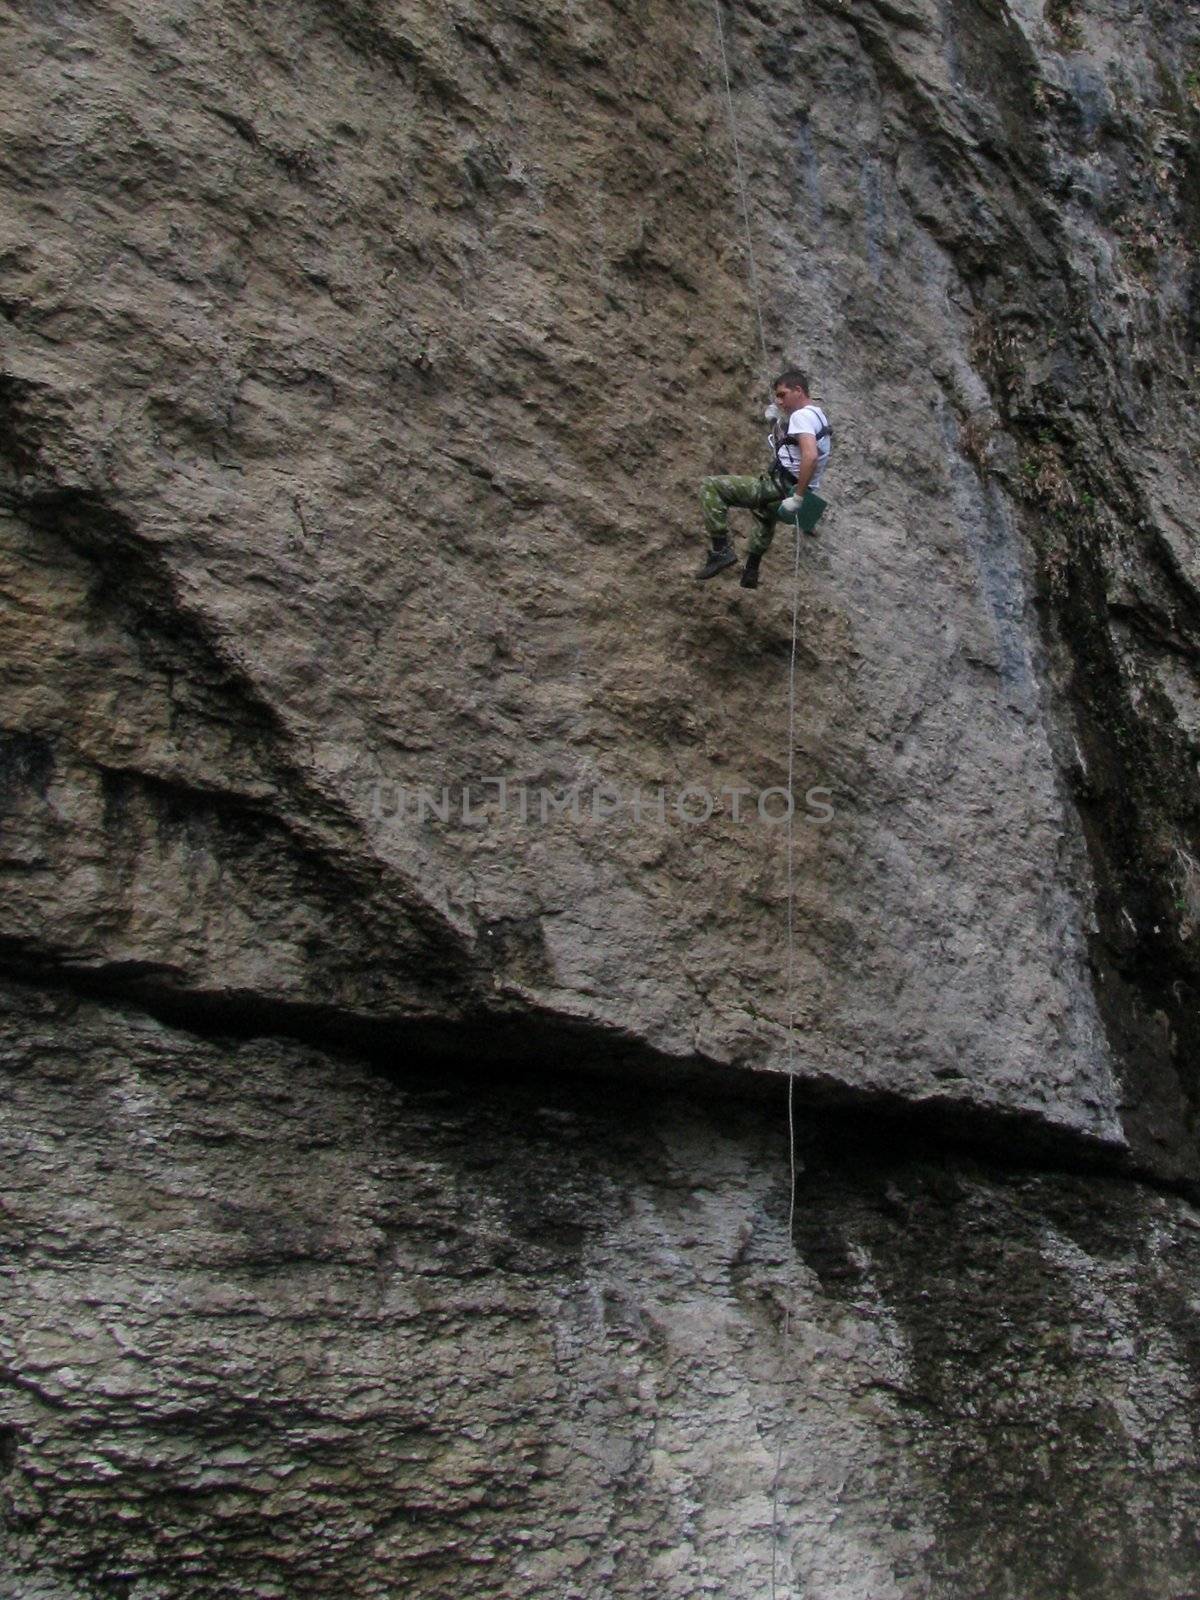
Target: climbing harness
[[791, 829], [778, 441]]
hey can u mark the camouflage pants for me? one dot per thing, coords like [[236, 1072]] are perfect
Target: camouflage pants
[[759, 495]]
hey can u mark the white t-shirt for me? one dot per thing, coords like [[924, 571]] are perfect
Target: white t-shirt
[[807, 420]]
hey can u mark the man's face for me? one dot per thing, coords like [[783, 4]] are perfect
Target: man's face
[[789, 399]]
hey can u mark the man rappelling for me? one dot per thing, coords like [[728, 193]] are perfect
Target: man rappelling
[[800, 441]]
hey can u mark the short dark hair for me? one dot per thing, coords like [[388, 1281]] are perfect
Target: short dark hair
[[794, 378]]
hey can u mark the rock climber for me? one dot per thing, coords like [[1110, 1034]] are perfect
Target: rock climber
[[800, 443]]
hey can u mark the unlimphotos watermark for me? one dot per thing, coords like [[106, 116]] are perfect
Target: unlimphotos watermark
[[482, 802]]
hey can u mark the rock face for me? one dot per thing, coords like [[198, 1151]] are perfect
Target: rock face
[[289, 1328], [359, 366]]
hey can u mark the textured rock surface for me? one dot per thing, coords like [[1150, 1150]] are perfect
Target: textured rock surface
[[273, 1325], [360, 365], [357, 363]]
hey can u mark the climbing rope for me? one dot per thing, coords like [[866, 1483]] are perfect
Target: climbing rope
[[791, 831], [741, 178], [791, 1067]]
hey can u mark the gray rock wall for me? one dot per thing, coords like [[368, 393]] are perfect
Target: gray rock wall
[[274, 1324], [358, 363], [360, 368]]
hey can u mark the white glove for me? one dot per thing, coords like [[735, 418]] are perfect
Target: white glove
[[791, 505], [771, 414]]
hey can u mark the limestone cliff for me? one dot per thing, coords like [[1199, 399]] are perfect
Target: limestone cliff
[[359, 363]]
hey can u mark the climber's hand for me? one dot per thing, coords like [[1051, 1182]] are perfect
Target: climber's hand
[[791, 505]]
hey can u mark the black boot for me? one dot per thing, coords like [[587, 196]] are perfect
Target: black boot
[[750, 571], [719, 557]]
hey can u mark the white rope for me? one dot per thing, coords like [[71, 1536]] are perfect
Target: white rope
[[791, 833], [737, 157], [789, 1287]]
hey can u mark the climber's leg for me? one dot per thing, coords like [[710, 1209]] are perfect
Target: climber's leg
[[717, 495], [753, 493], [764, 531]]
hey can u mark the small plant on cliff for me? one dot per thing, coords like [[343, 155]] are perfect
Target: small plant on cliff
[[1072, 518], [1045, 479], [996, 352], [1064, 20], [975, 439]]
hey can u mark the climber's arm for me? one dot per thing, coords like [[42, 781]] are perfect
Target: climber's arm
[[806, 443]]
